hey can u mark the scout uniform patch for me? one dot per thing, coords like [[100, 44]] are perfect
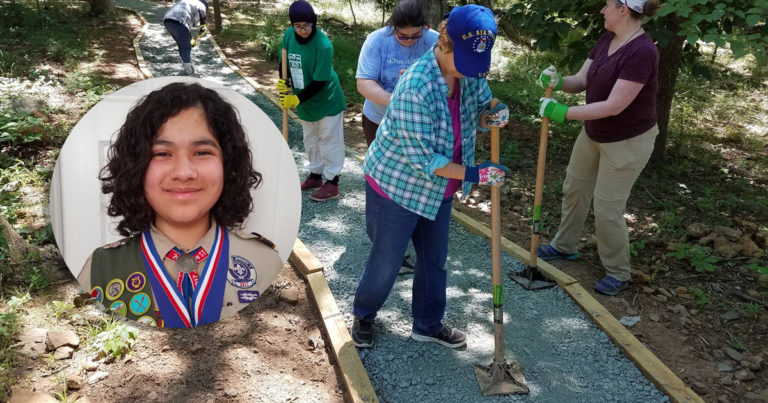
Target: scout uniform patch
[[242, 274]]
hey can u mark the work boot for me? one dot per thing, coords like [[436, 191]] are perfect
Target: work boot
[[362, 333], [189, 70], [313, 181], [448, 337], [327, 192]]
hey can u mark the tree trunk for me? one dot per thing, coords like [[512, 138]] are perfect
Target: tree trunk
[[217, 16], [434, 10], [351, 8], [670, 57], [101, 7]]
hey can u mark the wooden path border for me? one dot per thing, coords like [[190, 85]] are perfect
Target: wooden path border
[[353, 373]]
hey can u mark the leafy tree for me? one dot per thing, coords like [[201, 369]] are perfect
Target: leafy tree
[[679, 28]]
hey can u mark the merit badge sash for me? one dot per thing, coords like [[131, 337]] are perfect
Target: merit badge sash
[[207, 298]]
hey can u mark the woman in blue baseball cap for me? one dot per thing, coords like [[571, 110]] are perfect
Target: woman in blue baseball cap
[[620, 77], [179, 21], [424, 151]]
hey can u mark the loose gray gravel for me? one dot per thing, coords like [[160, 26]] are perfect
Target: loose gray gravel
[[564, 356]]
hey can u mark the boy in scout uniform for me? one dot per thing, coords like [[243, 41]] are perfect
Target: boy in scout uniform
[[180, 175]]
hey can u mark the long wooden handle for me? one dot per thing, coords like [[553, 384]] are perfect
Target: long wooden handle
[[498, 314], [284, 72], [536, 223]]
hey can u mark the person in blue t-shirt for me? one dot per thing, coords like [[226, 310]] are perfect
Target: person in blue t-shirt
[[385, 55]]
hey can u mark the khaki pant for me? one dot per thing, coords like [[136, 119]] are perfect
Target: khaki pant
[[605, 172]]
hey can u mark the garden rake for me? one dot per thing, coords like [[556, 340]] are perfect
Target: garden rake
[[500, 377]]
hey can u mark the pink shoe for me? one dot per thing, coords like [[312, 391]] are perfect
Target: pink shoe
[[327, 192], [311, 183]]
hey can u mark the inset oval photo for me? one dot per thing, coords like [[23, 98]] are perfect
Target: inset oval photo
[[175, 202]]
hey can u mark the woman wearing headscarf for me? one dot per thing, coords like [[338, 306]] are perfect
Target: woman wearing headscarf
[[316, 94]]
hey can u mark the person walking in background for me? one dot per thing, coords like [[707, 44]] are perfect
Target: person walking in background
[[179, 21], [620, 77], [316, 94], [423, 153], [385, 55]]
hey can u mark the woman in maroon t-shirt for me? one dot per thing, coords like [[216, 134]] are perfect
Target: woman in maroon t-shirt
[[620, 77]]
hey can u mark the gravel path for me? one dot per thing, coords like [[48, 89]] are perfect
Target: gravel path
[[564, 356]]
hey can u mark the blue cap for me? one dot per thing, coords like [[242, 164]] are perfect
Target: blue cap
[[472, 29]]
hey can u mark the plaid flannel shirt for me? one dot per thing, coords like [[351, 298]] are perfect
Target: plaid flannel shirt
[[416, 130]]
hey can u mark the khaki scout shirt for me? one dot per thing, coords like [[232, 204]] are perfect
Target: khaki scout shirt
[[253, 264]]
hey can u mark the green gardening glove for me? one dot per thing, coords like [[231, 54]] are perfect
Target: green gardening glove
[[549, 77], [549, 108], [288, 101]]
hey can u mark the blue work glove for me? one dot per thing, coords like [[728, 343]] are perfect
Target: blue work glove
[[549, 108], [497, 116], [486, 173], [549, 77]]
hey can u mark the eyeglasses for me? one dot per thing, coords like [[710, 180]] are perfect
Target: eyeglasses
[[408, 38], [303, 27]]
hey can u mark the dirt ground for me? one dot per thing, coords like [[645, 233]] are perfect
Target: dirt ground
[[691, 342]]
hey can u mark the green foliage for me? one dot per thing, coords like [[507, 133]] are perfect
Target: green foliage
[[60, 309], [17, 127], [739, 24], [698, 256], [9, 329], [92, 87], [636, 246], [345, 53], [55, 35], [112, 338], [700, 298], [753, 310], [572, 27], [38, 236], [36, 279], [758, 268]]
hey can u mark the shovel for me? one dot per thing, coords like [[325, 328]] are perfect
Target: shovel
[[531, 278], [500, 377]]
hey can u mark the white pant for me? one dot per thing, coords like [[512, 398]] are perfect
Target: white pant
[[324, 144]]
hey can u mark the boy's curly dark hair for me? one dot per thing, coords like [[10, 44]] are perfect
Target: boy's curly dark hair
[[129, 156]]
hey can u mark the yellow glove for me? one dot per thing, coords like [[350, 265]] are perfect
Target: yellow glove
[[288, 101], [282, 87]]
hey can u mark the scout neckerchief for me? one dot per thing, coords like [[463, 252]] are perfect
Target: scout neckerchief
[[208, 295], [187, 278]]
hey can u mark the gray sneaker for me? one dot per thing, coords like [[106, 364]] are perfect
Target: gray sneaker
[[448, 337], [362, 333]]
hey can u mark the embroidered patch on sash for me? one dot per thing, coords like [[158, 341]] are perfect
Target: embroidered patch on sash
[[135, 282], [98, 293], [246, 297], [242, 274], [115, 289], [140, 303], [119, 308], [146, 320]]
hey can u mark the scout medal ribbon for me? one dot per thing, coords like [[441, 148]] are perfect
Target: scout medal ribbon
[[204, 306]]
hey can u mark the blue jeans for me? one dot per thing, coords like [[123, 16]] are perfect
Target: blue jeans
[[182, 36], [389, 227]]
